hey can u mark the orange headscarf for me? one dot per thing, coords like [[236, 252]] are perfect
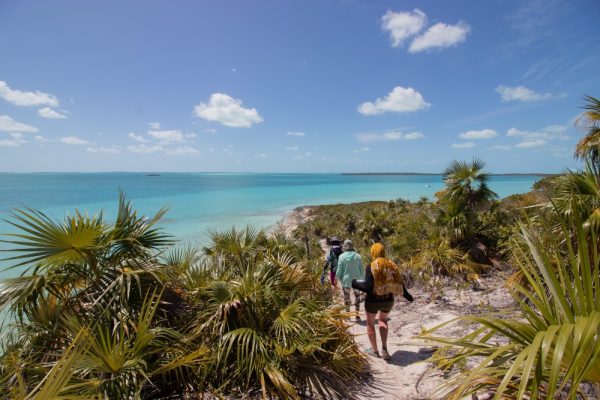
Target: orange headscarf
[[386, 274]]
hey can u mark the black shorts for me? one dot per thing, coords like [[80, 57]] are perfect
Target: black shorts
[[383, 306]]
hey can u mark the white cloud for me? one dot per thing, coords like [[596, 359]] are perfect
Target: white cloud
[[209, 130], [107, 150], [190, 135], [308, 154], [291, 148], [402, 25], [47, 112], [295, 134], [528, 143], [260, 155], [228, 111], [481, 134], [440, 36], [388, 136], [183, 151], [40, 139], [500, 147], [142, 148], [521, 93], [73, 140], [167, 136], [398, 100], [552, 132], [19, 98], [137, 138], [414, 136], [154, 125], [16, 139], [465, 145], [7, 124]]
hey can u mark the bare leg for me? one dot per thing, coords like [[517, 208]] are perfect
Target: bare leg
[[371, 330], [383, 329]]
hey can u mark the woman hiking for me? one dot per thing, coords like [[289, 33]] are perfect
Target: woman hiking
[[382, 281]]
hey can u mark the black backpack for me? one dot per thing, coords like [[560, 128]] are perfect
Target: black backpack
[[334, 254]]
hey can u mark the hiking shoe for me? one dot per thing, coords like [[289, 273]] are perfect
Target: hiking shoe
[[386, 355], [372, 353]]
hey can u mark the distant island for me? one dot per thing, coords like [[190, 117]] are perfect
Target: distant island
[[436, 174]]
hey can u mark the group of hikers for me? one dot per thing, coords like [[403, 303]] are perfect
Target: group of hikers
[[376, 285]]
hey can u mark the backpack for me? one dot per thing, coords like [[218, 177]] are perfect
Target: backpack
[[334, 254]]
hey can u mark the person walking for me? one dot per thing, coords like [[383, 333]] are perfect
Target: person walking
[[382, 282], [331, 263], [350, 267]]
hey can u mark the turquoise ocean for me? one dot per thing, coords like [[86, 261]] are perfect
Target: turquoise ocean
[[198, 202]]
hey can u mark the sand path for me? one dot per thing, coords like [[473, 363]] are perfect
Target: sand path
[[407, 375]]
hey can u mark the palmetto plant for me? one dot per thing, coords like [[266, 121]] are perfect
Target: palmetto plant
[[467, 183], [107, 310], [553, 343], [588, 147]]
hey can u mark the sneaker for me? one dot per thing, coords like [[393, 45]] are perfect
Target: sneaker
[[386, 355], [372, 353]]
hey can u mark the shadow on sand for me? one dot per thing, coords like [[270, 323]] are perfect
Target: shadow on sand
[[402, 358]]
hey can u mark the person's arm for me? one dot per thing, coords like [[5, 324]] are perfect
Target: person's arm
[[341, 268], [365, 285]]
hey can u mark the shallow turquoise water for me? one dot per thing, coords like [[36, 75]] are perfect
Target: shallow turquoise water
[[199, 202]]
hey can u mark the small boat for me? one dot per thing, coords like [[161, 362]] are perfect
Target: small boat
[[427, 185]]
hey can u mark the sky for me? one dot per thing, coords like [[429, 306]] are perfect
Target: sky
[[294, 86]]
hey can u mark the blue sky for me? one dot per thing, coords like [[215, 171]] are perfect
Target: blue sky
[[294, 86]]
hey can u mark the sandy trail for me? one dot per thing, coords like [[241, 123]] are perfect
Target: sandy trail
[[407, 375]]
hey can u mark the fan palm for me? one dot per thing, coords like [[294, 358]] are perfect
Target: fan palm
[[552, 344], [467, 183], [588, 147]]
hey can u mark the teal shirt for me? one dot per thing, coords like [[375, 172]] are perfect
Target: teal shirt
[[349, 267]]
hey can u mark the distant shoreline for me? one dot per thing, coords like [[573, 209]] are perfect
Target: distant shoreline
[[436, 174]]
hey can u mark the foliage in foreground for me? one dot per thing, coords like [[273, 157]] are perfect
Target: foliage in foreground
[[553, 344], [107, 310]]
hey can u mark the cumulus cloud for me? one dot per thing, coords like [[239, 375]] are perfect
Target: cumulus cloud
[[503, 147], [398, 100], [440, 36], [209, 130], [388, 136], [40, 139], [295, 134], [291, 148], [362, 149], [552, 132], [528, 143], [402, 25], [154, 125], [260, 155], [106, 150], [73, 140], [167, 136], [521, 93], [48, 112], [228, 111], [481, 134], [142, 148], [7, 124], [19, 98], [137, 138], [465, 145], [16, 139], [183, 151]]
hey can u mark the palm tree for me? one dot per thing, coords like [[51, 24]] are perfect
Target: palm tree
[[467, 183], [588, 147], [552, 344]]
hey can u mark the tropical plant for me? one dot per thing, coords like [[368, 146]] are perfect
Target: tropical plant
[[468, 184], [588, 147], [552, 344]]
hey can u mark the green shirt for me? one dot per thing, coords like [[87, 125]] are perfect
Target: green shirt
[[349, 267]]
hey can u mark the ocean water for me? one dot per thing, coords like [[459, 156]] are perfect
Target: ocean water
[[201, 201]]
